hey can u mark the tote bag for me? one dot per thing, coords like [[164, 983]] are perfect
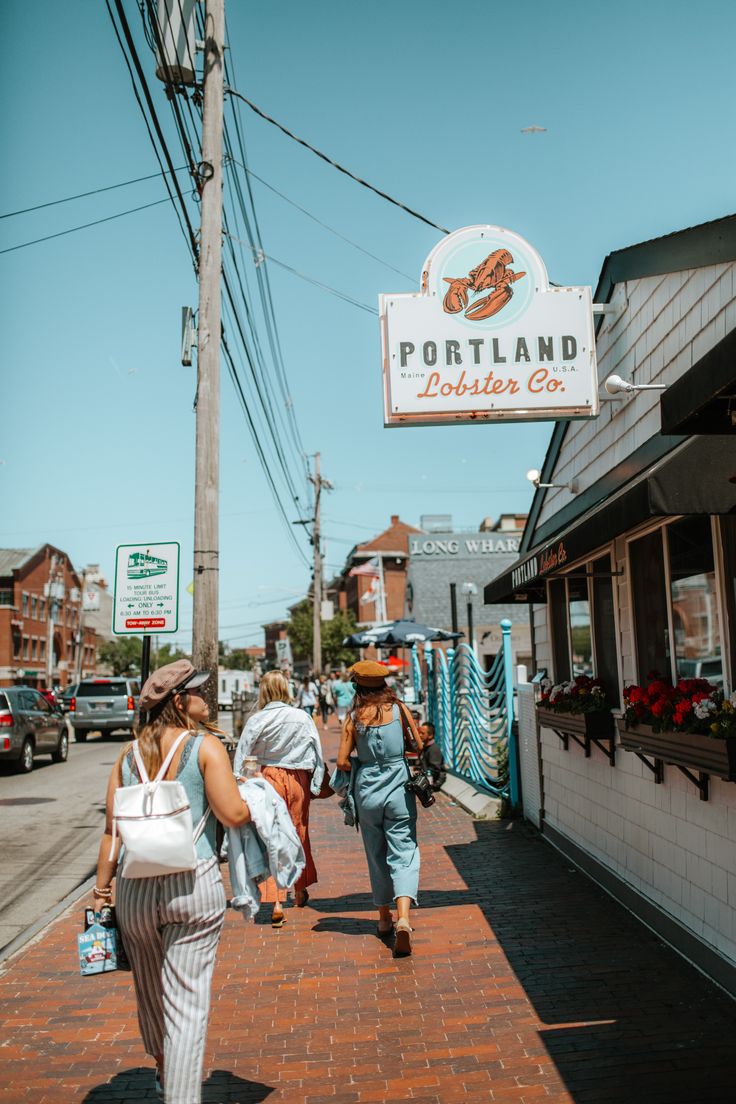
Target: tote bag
[[154, 820]]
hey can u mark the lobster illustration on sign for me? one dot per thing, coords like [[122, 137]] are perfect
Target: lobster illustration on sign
[[490, 273]]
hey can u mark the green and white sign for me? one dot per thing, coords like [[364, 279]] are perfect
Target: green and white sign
[[146, 595]]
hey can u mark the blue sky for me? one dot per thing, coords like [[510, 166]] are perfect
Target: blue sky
[[427, 101]]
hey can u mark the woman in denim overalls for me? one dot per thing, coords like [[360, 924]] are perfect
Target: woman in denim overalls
[[386, 811]]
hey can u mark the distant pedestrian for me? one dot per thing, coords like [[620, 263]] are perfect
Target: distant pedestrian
[[326, 699], [306, 696], [431, 757], [171, 923], [343, 692], [378, 727], [286, 744]]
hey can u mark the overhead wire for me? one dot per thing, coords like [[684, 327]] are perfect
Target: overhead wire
[[335, 164], [84, 226], [325, 225], [84, 195]]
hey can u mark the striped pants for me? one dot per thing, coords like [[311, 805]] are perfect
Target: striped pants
[[171, 927]]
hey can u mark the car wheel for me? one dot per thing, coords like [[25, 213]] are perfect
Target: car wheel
[[62, 749], [80, 737], [25, 763]]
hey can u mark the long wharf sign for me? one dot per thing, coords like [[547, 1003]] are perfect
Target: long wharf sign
[[486, 338], [463, 546]]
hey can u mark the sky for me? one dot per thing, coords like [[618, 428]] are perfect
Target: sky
[[427, 101]]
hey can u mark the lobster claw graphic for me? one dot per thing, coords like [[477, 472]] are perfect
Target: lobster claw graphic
[[456, 296], [496, 301], [490, 273]]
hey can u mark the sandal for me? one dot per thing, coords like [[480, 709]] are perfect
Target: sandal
[[301, 897], [278, 920], [384, 928], [402, 945]]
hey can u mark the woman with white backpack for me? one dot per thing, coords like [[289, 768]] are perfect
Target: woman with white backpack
[[170, 897]]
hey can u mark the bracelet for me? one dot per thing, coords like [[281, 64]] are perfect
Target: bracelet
[[102, 892]]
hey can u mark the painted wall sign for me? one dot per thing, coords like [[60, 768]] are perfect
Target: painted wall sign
[[486, 338], [464, 546]]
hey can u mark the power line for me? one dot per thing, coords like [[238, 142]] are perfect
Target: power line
[[336, 164], [84, 226], [83, 195], [260, 256], [325, 225]]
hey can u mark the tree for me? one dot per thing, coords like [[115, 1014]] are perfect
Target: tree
[[234, 659], [333, 633], [168, 653], [123, 655]]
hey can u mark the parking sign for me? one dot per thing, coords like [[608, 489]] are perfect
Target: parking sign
[[146, 595]]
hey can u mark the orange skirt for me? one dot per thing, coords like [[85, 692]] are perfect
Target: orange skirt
[[293, 786]]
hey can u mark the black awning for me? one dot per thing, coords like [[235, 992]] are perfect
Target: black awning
[[701, 400], [698, 477]]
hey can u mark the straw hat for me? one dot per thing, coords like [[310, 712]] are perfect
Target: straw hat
[[368, 673]]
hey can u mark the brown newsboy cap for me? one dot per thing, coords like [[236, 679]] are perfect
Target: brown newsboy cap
[[368, 673], [169, 680]]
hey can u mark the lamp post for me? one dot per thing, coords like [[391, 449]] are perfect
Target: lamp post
[[470, 589]]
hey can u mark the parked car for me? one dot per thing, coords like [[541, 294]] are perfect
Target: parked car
[[29, 727], [104, 705], [710, 668], [64, 697]]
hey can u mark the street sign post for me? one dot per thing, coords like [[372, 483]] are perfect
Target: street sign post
[[146, 593]]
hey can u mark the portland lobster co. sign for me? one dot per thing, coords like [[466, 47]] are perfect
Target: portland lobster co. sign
[[486, 338]]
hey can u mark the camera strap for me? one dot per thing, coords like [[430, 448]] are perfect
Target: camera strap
[[410, 742]]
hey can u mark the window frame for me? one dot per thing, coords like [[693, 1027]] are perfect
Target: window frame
[[586, 564], [660, 526]]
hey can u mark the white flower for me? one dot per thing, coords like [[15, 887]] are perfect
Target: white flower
[[704, 708], [732, 699]]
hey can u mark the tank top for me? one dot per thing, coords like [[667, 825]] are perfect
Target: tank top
[[190, 775]]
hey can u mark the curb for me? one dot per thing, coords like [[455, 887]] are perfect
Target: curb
[[480, 805], [38, 926]]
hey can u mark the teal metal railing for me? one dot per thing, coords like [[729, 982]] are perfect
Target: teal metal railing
[[472, 711]]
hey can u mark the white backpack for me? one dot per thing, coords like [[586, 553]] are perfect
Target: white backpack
[[154, 820]]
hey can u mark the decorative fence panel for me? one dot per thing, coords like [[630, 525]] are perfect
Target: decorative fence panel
[[472, 711]]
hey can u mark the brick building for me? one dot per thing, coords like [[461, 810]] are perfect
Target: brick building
[[40, 603], [358, 592]]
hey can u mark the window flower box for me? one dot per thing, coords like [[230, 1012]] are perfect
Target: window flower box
[[595, 727], [696, 751]]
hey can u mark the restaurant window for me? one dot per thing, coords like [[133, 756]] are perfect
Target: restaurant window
[[584, 626], [649, 597], [695, 622], [581, 637], [558, 619]]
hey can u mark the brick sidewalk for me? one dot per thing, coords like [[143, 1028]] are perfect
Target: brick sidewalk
[[528, 984]]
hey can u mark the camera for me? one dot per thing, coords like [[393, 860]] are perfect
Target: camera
[[421, 787]]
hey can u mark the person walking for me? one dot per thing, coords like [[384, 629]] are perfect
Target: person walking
[[306, 697], [343, 692], [171, 923], [285, 742], [326, 700], [378, 728]]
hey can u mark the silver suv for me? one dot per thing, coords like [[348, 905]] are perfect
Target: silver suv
[[104, 705], [29, 726]]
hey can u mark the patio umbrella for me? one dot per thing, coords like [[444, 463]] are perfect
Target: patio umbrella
[[399, 634]]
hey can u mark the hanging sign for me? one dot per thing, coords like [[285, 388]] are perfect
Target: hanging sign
[[146, 595], [487, 339]]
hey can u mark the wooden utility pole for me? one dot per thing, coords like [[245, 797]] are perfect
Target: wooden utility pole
[[317, 585], [205, 651]]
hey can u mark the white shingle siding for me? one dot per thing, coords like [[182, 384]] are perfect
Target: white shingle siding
[[677, 851]]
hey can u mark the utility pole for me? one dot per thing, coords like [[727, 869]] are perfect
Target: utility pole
[[78, 666], [52, 607], [207, 463], [319, 484], [317, 583]]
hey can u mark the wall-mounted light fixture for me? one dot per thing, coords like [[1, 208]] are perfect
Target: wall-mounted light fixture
[[534, 477], [615, 385]]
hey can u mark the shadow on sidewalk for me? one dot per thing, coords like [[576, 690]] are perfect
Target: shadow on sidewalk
[[626, 1019], [221, 1087]]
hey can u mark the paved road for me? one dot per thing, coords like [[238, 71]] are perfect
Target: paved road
[[50, 826]]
